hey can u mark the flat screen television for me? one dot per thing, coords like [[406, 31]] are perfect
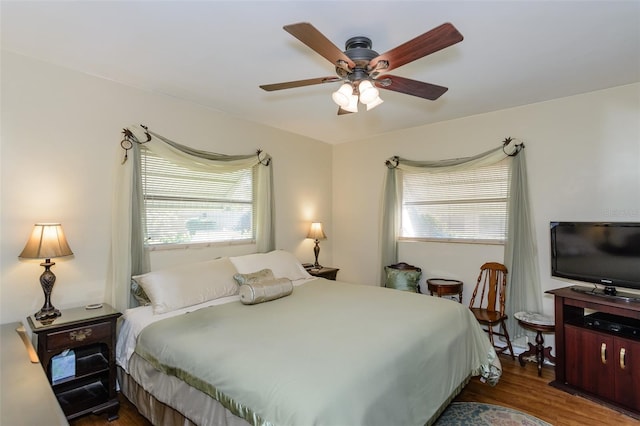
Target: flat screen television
[[606, 253]]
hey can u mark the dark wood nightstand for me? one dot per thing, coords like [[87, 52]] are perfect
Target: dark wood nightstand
[[91, 334], [324, 272]]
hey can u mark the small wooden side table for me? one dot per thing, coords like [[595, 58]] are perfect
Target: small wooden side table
[[324, 272], [445, 287], [540, 324], [91, 334]]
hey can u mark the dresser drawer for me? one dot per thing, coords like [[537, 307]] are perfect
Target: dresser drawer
[[78, 336]]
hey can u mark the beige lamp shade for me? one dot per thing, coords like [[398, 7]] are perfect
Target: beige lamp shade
[[316, 232], [47, 241]]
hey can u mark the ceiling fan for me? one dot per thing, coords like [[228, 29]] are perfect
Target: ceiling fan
[[363, 70]]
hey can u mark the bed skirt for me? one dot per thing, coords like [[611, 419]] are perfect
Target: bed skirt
[[189, 406], [201, 409]]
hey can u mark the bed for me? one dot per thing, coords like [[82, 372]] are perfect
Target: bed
[[325, 353]]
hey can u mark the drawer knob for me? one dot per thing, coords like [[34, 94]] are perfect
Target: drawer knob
[[80, 335]]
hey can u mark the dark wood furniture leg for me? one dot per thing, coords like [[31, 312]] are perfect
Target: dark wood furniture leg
[[539, 351], [540, 324]]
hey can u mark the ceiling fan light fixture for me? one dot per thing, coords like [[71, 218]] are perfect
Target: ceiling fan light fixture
[[342, 96], [374, 103], [368, 93], [352, 106]]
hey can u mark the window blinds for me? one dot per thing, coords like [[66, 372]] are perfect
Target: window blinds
[[468, 205], [186, 206]]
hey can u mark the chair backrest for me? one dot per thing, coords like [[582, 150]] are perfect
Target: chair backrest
[[405, 267], [492, 284], [403, 276]]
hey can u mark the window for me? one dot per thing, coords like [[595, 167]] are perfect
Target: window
[[465, 206], [184, 206]]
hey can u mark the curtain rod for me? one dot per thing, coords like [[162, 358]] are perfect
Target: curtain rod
[[394, 161]]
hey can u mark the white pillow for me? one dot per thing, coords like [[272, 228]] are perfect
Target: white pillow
[[282, 263], [190, 284]]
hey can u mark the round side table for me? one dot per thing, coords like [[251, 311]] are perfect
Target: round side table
[[540, 324], [445, 287]]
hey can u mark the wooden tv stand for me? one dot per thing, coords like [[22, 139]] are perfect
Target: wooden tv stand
[[597, 361]]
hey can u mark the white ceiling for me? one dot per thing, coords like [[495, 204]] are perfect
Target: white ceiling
[[216, 53]]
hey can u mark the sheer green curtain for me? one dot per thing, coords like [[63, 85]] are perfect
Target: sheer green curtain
[[128, 256], [520, 252]]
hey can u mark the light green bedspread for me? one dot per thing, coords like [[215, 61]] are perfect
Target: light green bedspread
[[332, 353]]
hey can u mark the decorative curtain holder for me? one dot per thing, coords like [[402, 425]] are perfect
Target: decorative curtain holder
[[129, 138], [507, 141]]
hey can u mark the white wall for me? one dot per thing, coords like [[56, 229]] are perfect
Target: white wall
[[60, 150], [583, 161]]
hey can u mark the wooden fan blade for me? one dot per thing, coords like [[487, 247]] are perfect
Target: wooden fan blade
[[342, 111], [436, 39], [309, 35], [299, 83], [411, 87]]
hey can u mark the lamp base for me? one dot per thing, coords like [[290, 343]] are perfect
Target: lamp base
[[45, 314], [316, 252], [47, 280]]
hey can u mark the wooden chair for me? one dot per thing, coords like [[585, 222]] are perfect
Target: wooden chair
[[488, 306]]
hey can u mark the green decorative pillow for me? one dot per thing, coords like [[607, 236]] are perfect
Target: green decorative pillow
[[265, 291], [402, 279], [138, 293], [254, 277]]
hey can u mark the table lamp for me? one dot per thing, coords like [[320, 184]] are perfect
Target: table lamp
[[47, 241], [316, 233]]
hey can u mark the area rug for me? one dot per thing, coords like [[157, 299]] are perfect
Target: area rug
[[478, 414]]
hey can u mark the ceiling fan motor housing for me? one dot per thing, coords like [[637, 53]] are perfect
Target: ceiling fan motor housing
[[358, 49]]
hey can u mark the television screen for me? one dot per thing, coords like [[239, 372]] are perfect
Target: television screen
[[606, 253]]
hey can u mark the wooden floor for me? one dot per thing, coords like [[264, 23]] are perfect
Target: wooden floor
[[522, 389], [519, 388]]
